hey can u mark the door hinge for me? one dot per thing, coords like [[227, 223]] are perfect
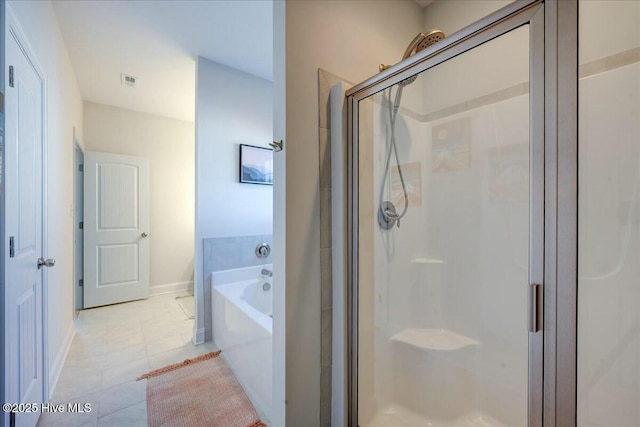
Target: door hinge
[[81, 168], [81, 282], [11, 83], [81, 225], [12, 248]]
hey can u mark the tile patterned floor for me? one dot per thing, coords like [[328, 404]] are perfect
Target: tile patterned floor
[[113, 345]]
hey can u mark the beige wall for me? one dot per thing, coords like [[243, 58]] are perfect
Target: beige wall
[[491, 73], [168, 144], [452, 16], [348, 39]]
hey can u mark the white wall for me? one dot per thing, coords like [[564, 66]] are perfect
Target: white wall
[[169, 145], [63, 113], [450, 17], [3, 351], [609, 224], [620, 18], [349, 39], [609, 243], [279, 337], [232, 108]]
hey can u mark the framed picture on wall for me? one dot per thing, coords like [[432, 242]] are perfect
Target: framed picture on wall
[[256, 165]]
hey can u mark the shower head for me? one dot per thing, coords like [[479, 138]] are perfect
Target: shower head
[[388, 217], [423, 41], [420, 42]]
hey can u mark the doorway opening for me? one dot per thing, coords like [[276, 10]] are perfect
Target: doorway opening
[[78, 235]]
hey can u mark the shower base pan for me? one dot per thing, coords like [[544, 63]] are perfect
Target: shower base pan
[[399, 416], [433, 339]]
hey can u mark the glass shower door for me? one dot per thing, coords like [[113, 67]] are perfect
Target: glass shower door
[[448, 229]]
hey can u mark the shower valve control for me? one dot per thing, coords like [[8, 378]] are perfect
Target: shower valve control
[[263, 250]]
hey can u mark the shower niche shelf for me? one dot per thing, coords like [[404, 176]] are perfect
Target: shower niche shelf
[[433, 339]]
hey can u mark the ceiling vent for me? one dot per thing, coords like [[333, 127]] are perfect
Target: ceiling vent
[[128, 80]]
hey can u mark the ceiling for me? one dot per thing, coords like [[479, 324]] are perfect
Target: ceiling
[[158, 42]]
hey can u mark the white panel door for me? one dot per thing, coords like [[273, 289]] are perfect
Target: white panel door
[[116, 228], [24, 146]]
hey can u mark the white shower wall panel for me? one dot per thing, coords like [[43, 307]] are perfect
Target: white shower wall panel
[[609, 243], [423, 278], [486, 299]]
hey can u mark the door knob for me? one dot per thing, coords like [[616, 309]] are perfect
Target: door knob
[[50, 262], [144, 234]]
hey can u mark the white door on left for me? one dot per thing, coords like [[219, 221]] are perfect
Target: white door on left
[[24, 230]]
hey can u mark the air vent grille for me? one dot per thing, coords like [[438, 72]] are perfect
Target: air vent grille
[[128, 80]]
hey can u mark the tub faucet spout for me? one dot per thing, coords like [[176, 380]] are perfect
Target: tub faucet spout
[[267, 273]]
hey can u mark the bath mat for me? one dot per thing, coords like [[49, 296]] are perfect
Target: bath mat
[[187, 305], [198, 392]]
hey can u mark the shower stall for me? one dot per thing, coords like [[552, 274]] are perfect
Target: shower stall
[[463, 233]]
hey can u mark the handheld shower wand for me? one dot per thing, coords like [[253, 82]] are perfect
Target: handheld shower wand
[[387, 213]]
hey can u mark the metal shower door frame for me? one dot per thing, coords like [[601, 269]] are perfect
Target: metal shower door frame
[[553, 195]]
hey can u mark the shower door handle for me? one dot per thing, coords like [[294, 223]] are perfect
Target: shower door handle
[[535, 307]]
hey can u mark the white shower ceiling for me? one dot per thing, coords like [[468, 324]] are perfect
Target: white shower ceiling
[[157, 42]]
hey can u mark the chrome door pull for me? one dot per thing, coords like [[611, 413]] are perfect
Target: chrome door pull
[[534, 307], [144, 234], [50, 262]]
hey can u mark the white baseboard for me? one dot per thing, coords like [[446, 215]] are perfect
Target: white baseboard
[[170, 288], [58, 363], [198, 336]]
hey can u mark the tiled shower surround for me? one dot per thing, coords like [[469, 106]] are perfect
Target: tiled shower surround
[[325, 81], [226, 253]]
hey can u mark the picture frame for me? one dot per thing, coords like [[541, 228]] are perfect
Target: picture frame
[[256, 165]]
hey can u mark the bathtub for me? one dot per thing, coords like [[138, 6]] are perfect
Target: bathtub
[[242, 329]]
